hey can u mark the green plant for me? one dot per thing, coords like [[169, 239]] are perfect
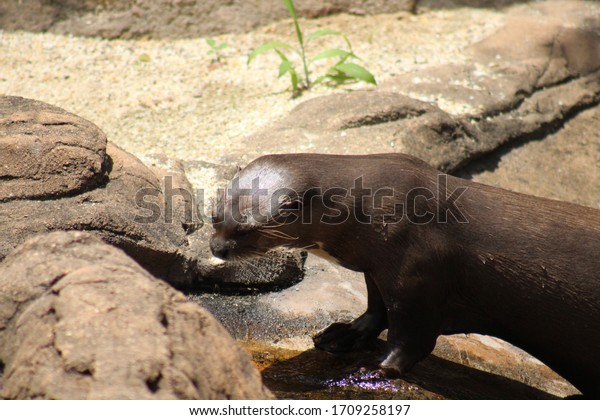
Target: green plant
[[214, 48], [339, 73]]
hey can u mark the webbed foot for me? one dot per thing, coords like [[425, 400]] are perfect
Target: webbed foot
[[356, 335]]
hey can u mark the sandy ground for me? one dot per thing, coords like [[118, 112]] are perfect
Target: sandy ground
[[178, 104]]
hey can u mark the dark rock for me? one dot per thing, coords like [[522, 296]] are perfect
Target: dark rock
[[277, 270], [290, 317], [81, 320], [168, 18]]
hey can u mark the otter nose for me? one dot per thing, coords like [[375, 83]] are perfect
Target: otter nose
[[220, 247]]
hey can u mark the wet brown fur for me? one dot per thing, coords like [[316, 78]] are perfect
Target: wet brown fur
[[524, 269]]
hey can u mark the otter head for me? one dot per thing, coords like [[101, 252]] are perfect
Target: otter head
[[255, 213]]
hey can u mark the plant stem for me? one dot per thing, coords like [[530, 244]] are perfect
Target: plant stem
[[292, 10], [307, 80]]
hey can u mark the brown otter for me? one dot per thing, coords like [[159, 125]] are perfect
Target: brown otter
[[440, 254]]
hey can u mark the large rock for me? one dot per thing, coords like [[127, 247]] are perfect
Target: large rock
[[61, 175], [562, 166], [46, 152], [58, 173], [168, 18], [81, 320]]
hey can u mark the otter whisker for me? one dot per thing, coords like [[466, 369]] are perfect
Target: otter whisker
[[268, 233], [277, 234], [274, 224]]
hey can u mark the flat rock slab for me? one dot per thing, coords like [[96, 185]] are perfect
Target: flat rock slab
[[81, 320], [563, 166], [315, 374]]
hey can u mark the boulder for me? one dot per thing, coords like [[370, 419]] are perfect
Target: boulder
[[81, 320], [46, 152], [81, 184], [57, 172]]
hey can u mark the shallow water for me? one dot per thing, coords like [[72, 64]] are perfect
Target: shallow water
[[314, 374]]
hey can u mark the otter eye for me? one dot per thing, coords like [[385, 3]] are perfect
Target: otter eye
[[287, 205], [245, 228]]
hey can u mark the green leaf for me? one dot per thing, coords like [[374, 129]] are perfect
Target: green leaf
[[359, 72], [286, 66], [144, 58], [267, 47], [291, 9], [289, 4], [213, 45], [320, 79], [333, 52], [322, 32], [335, 76], [294, 80], [339, 78]]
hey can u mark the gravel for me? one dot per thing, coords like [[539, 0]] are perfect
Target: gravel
[[181, 104]]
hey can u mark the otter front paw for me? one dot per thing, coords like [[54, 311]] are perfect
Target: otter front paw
[[343, 337]]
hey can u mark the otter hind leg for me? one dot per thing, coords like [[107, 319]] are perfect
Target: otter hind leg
[[360, 333]]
